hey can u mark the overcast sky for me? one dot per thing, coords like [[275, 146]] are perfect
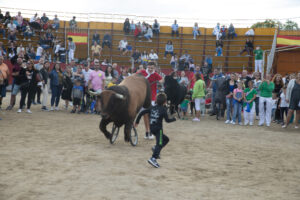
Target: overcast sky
[[208, 9]]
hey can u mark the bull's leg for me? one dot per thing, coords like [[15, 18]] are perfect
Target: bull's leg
[[102, 126], [127, 130]]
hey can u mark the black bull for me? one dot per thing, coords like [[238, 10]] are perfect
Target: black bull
[[175, 93], [120, 104]]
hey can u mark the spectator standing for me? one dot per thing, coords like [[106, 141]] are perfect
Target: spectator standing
[[55, 24], [39, 52], [249, 104], [106, 40], [217, 31], [97, 78], [196, 31], [73, 23], [132, 27], [109, 75], [183, 80], [72, 48], [175, 28], [38, 90], [169, 49], [45, 76], [4, 75], [96, 38], [258, 59], [248, 47], [216, 74], [28, 85], [237, 103], [256, 84], [19, 19], [266, 88], [67, 86], [77, 96], [56, 83], [231, 84], [156, 27], [245, 78], [126, 26], [284, 106], [199, 96], [7, 18], [278, 85], [20, 48], [115, 70]]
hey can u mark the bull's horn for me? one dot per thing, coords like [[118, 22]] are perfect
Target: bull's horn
[[120, 96], [94, 93]]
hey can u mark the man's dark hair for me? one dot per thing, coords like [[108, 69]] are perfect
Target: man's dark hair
[[161, 98], [70, 39], [151, 63], [197, 76]]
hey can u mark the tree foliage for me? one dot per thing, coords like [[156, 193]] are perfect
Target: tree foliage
[[269, 23]]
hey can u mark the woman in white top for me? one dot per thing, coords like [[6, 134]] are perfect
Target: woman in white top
[[20, 48], [196, 31], [149, 33], [109, 75], [183, 79]]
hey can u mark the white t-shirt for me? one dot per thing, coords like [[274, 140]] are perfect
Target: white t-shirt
[[153, 56], [274, 103], [283, 102], [11, 27], [32, 19], [123, 44], [39, 51], [86, 75], [20, 49]]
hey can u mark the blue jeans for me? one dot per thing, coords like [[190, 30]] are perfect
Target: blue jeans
[[147, 36], [168, 52], [228, 108], [56, 91], [98, 41], [237, 111], [55, 26], [196, 33], [29, 35]]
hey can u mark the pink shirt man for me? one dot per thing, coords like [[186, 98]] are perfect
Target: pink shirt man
[[97, 79]]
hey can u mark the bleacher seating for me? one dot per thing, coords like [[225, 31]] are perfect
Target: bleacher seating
[[198, 49]]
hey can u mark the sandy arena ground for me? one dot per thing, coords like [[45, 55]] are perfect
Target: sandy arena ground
[[62, 156]]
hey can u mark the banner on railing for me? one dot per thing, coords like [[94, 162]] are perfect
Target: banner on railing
[[78, 38], [287, 41]]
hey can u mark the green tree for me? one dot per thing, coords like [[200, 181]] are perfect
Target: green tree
[[268, 23], [290, 25]]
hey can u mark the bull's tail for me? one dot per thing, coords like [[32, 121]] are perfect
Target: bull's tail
[[147, 102]]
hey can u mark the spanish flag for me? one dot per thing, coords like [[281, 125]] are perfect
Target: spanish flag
[[78, 38], [287, 41]]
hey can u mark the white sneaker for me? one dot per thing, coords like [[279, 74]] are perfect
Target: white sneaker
[[240, 123], [71, 104], [268, 125], [245, 124], [260, 124], [251, 123], [29, 111], [51, 109], [284, 126], [232, 122], [19, 111], [56, 108], [257, 117], [227, 121], [146, 137], [296, 127], [151, 137], [196, 119]]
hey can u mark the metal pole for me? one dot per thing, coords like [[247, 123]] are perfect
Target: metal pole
[[88, 40]]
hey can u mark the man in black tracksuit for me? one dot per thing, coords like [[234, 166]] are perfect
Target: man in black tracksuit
[[157, 114]]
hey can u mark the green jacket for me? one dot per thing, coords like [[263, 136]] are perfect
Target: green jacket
[[199, 89]]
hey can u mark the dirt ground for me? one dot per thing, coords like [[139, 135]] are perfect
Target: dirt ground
[[59, 155]]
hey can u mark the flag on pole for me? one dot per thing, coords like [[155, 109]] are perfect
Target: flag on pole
[[78, 38], [287, 41]]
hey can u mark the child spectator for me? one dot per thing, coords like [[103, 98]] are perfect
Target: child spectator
[[77, 96], [219, 47], [198, 96], [174, 62], [284, 106], [39, 52], [274, 105], [237, 103], [175, 29], [132, 26], [184, 106], [157, 114], [249, 104]]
